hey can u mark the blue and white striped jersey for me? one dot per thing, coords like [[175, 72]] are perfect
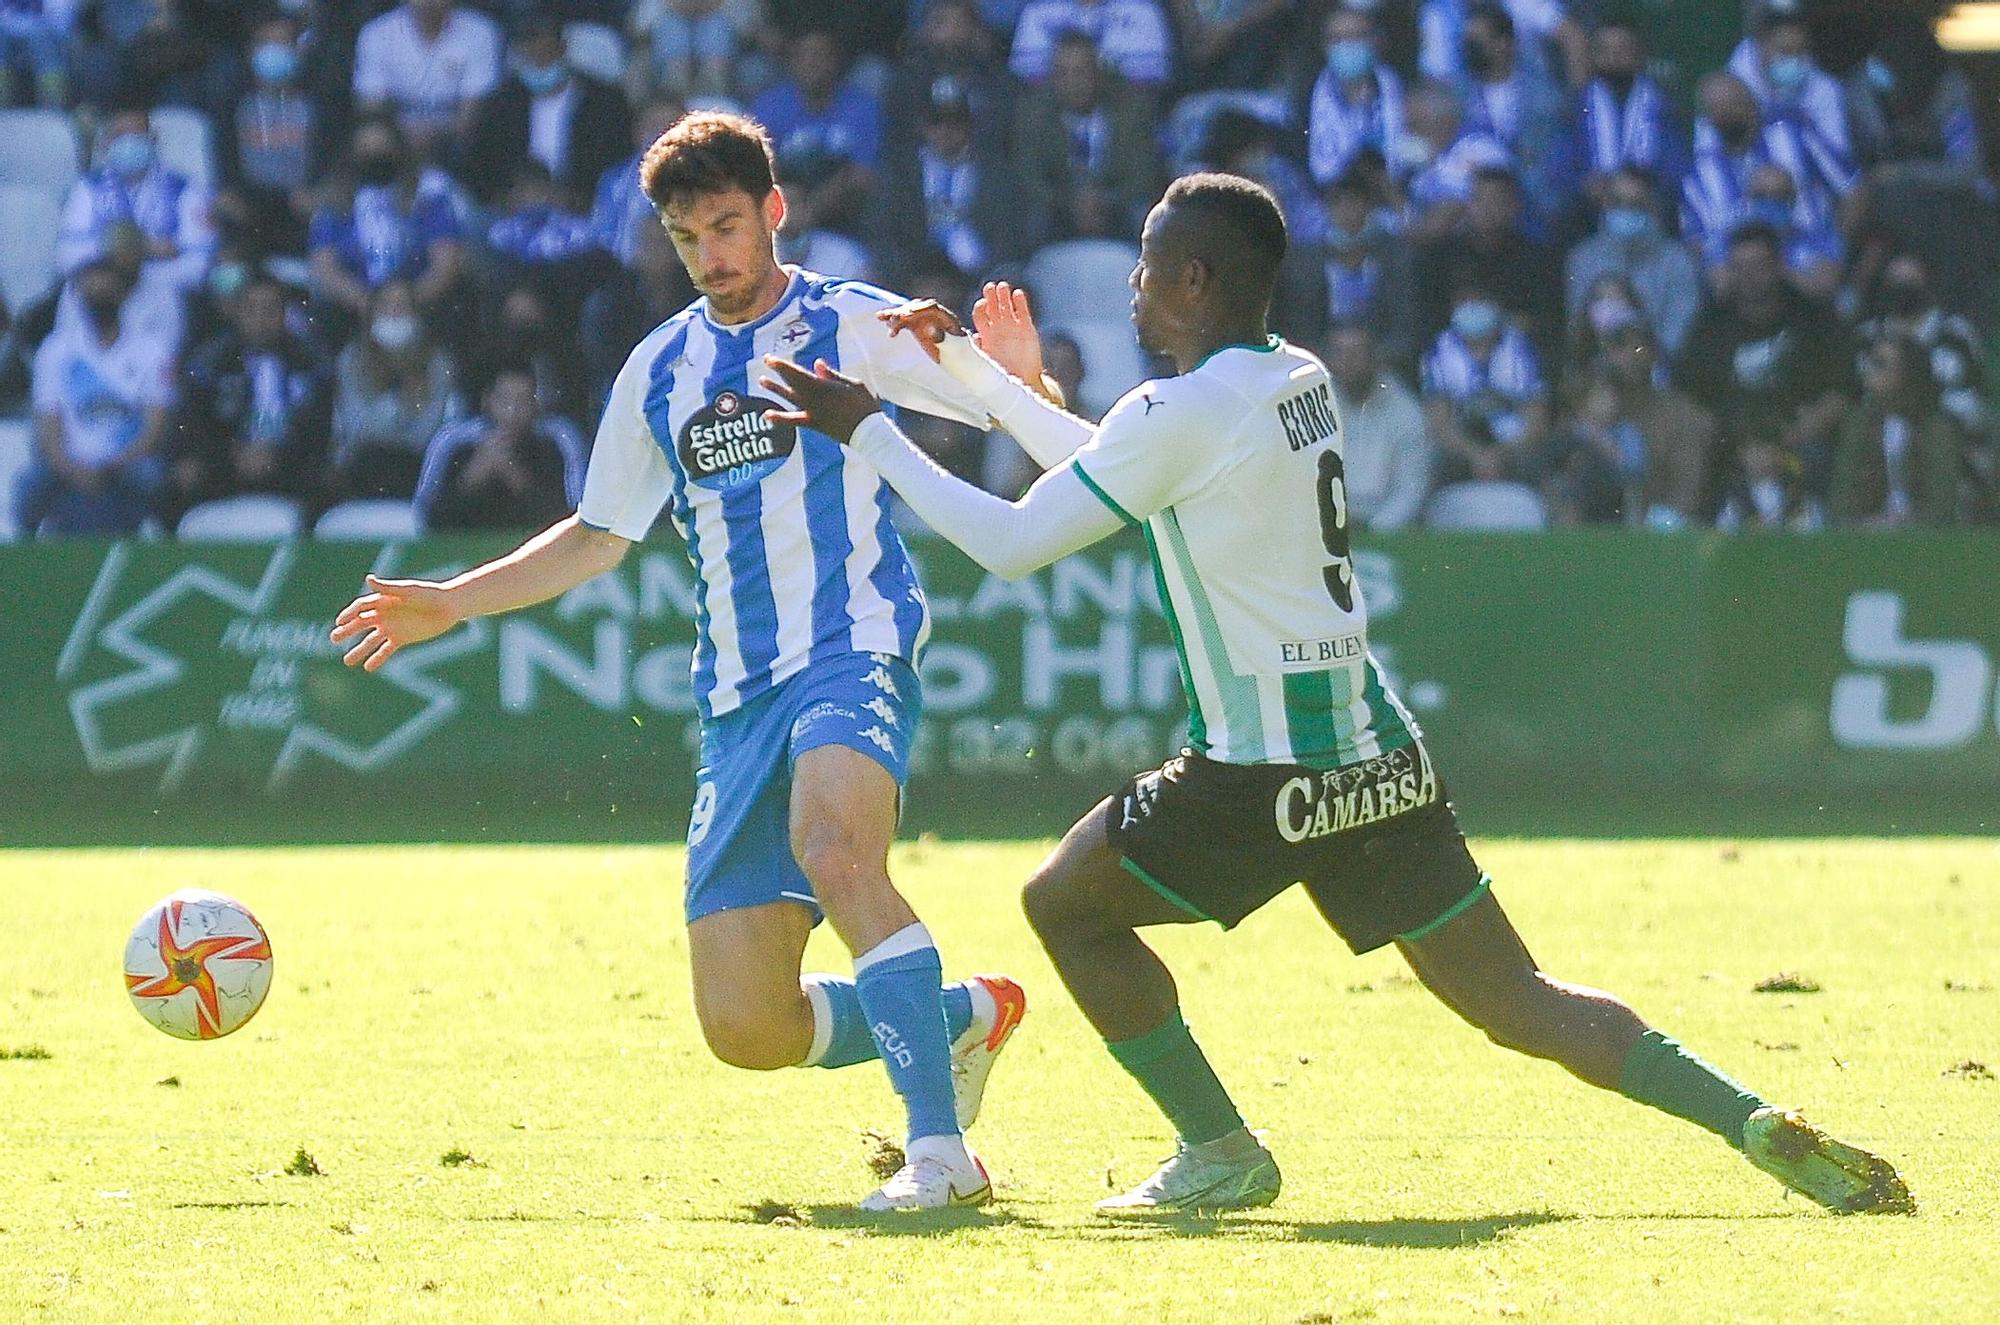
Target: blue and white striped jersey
[[789, 533]]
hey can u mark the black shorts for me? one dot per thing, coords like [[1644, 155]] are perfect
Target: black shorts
[[1375, 843]]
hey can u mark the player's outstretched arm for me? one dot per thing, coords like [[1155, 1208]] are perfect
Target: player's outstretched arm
[[1048, 434], [395, 614], [1003, 325], [1058, 516]]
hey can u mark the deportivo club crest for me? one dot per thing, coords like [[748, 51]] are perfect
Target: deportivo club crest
[[732, 441]]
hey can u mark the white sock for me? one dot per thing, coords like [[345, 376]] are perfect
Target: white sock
[[949, 1150], [910, 938]]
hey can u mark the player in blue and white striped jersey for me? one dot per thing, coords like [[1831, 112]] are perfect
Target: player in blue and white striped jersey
[[810, 626]]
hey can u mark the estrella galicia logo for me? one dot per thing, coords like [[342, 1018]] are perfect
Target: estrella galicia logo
[[732, 441]]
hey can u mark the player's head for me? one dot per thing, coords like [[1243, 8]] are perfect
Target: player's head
[[1208, 262], [710, 179]]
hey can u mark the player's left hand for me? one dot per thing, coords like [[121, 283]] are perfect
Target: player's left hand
[[822, 399]]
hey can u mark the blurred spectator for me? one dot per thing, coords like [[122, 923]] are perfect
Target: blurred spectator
[[1676, 435], [1897, 459], [1542, 23], [101, 394], [1814, 253], [638, 296], [155, 303], [540, 240], [254, 408], [429, 62], [950, 40], [273, 147], [391, 229], [510, 467], [393, 389], [1906, 304], [827, 131], [1366, 264], [1732, 142], [1490, 248], [131, 185], [182, 56], [1087, 152], [1774, 368], [524, 330], [1610, 305], [1485, 398], [1132, 38], [946, 196], [1232, 43], [574, 125], [1590, 459], [1517, 103], [1356, 103], [685, 47], [620, 211], [34, 39], [1624, 119], [1389, 454], [1777, 65], [1439, 159], [1632, 243], [1911, 112]]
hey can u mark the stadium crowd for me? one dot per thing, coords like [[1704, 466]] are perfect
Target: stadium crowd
[[394, 253]]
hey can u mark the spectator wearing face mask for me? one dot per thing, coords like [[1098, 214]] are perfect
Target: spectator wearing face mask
[[253, 411], [1609, 306], [1631, 244], [1518, 104], [130, 186], [1232, 43], [1490, 249], [1897, 458], [391, 229], [1676, 436], [1485, 397], [393, 389], [1624, 119], [101, 395], [575, 126], [1778, 67], [1732, 144], [1355, 105], [511, 466], [1815, 254], [1906, 304], [272, 149]]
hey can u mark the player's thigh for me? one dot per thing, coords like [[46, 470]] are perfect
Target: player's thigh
[[1084, 886], [745, 963], [844, 809], [1476, 963]]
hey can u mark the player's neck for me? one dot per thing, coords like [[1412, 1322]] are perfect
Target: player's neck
[[1209, 340], [769, 292]]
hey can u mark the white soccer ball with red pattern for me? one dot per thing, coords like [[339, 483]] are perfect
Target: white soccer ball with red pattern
[[198, 965]]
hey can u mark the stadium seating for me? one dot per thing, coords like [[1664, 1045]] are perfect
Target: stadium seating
[[17, 449], [596, 50], [369, 521], [30, 217], [1487, 505], [39, 147], [187, 143], [1082, 280], [254, 519]]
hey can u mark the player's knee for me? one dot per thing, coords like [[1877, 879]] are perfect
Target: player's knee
[[747, 1041], [1050, 903], [836, 863]]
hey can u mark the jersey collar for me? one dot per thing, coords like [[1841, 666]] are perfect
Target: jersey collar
[[1270, 344], [793, 286]]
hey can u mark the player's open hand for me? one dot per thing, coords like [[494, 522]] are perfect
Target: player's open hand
[[1004, 327], [822, 399], [926, 319], [392, 615]]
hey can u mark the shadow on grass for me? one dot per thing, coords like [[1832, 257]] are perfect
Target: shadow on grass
[[919, 1223], [1418, 1234]]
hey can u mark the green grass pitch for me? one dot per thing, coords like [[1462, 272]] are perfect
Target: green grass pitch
[[524, 1012]]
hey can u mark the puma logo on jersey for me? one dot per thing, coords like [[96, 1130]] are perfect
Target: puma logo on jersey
[[882, 681], [882, 709], [1151, 400], [1308, 417]]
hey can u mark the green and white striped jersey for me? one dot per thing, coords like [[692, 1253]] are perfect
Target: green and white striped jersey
[[1234, 470]]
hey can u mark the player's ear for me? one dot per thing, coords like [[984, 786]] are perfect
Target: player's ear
[[774, 209]]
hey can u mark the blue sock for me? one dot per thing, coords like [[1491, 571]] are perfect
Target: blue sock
[[840, 1032], [898, 983]]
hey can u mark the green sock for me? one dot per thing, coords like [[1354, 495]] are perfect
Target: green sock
[[1170, 1066], [1661, 1073]]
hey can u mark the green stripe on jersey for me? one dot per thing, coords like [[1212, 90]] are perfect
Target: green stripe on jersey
[[1197, 728], [1101, 494], [1311, 718], [1242, 713]]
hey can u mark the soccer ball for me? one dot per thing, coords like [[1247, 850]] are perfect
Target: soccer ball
[[198, 965]]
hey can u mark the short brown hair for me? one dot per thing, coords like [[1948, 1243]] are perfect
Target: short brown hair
[[706, 152]]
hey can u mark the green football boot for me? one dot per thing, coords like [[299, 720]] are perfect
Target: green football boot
[[1838, 1176]]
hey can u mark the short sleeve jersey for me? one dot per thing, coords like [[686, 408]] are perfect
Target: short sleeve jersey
[[788, 531], [1235, 470]]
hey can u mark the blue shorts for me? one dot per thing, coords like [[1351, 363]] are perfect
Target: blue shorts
[[739, 837]]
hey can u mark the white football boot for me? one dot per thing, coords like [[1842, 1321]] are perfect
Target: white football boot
[[1233, 1172], [974, 1052], [933, 1179]]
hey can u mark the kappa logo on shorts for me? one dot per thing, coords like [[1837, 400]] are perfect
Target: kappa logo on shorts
[[882, 681], [882, 709], [1309, 808], [880, 738]]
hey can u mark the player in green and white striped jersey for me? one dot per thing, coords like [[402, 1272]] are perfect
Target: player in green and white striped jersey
[[1303, 766]]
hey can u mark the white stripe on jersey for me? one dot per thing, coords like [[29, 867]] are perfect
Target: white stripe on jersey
[[1277, 732], [872, 618], [713, 532], [1200, 666], [792, 574]]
